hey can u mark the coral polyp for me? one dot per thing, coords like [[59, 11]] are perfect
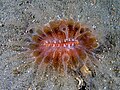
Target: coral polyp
[[64, 44]]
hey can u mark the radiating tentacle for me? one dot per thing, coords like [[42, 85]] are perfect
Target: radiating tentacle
[[65, 59]]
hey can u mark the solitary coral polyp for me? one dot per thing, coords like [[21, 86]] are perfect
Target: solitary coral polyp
[[63, 44]]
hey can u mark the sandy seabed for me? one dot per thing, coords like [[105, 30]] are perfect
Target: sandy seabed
[[17, 72]]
